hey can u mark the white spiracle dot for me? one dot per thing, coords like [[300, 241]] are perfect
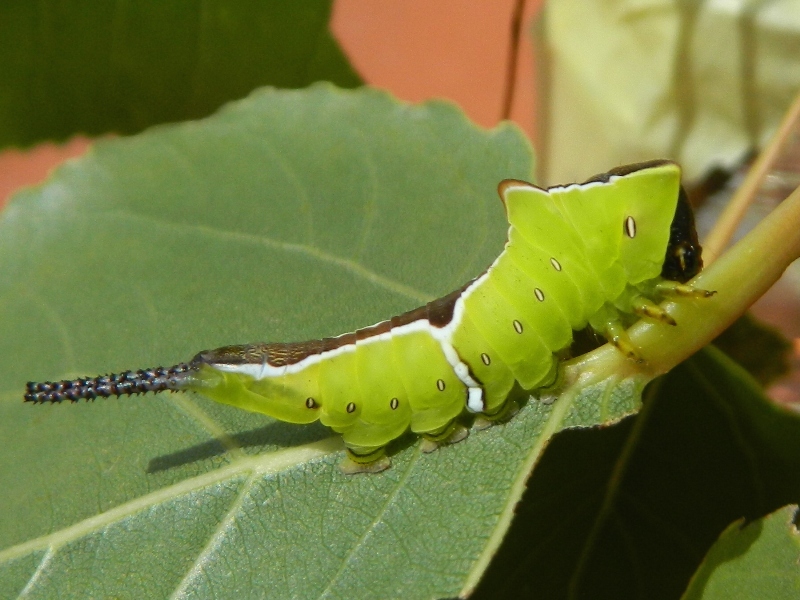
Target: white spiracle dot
[[630, 227]]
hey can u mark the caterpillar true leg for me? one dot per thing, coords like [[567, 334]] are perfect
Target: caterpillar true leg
[[644, 307], [616, 334], [675, 288]]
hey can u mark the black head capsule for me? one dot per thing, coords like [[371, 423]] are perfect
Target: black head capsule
[[159, 379], [683, 259]]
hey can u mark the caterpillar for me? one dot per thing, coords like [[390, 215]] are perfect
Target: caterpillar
[[592, 254]]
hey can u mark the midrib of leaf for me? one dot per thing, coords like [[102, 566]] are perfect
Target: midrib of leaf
[[265, 464], [346, 264]]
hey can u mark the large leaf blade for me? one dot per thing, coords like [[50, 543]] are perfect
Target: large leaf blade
[[147, 250]]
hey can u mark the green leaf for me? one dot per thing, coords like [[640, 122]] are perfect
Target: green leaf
[[288, 215], [93, 68], [759, 560], [629, 511]]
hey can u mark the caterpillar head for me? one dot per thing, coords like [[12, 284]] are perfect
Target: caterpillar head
[[683, 259]]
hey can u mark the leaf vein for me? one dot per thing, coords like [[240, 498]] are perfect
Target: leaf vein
[[196, 568], [369, 528], [29, 587], [271, 463], [347, 264]]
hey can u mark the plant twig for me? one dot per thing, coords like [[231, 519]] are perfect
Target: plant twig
[[513, 54], [734, 212]]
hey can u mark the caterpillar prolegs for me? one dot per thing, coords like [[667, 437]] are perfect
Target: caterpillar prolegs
[[594, 253]]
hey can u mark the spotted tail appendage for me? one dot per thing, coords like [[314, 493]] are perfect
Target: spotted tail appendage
[[159, 379]]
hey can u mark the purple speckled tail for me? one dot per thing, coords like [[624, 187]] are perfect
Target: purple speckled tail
[[128, 383]]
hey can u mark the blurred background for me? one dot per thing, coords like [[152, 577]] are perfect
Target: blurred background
[[416, 49]]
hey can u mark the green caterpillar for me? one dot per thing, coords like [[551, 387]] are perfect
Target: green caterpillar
[[583, 254]]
